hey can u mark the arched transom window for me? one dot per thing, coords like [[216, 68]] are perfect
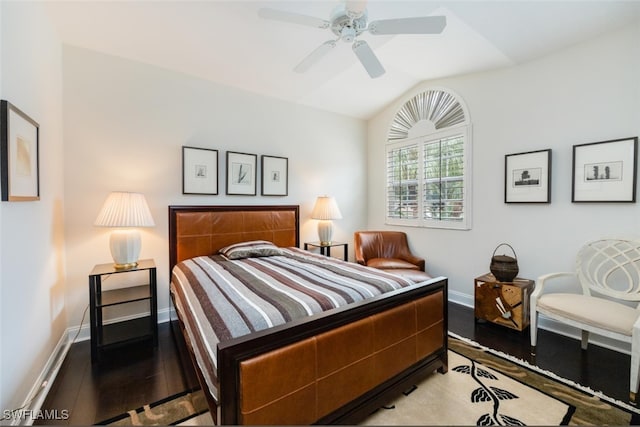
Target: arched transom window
[[428, 163]]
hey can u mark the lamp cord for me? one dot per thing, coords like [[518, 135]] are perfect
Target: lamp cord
[[84, 314]]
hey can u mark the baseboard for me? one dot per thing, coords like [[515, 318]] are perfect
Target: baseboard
[[32, 405], [553, 326], [84, 332], [30, 409], [462, 299]]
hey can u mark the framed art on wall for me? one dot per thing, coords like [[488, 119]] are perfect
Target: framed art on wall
[[19, 155], [199, 171], [275, 176], [527, 177], [241, 173], [605, 171]]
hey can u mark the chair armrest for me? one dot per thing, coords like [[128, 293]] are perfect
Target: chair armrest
[[540, 282], [414, 260]]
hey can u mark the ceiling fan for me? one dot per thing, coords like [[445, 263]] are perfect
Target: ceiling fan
[[348, 21]]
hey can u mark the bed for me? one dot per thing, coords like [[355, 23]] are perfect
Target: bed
[[336, 363]]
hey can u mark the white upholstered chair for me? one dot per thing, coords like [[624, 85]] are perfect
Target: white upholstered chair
[[608, 272]]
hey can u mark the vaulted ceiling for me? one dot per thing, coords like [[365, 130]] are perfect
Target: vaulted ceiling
[[228, 43]]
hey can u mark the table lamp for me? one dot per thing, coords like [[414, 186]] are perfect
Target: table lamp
[[325, 210], [125, 211]]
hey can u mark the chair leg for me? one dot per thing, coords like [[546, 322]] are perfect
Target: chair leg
[[635, 365], [585, 340], [533, 328]]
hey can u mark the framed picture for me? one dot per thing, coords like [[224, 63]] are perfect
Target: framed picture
[[605, 171], [527, 177], [199, 171], [241, 173], [275, 176], [19, 155]]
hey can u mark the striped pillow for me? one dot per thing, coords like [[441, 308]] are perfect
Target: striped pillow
[[255, 248]]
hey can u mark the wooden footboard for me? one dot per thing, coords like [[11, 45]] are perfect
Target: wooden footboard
[[336, 367]]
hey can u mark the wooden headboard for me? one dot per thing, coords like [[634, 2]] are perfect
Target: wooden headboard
[[203, 230]]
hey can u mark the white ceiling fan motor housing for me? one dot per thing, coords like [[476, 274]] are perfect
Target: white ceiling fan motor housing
[[344, 26]]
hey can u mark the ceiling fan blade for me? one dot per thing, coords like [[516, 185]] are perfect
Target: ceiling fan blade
[[419, 25], [368, 59], [315, 56], [292, 18]]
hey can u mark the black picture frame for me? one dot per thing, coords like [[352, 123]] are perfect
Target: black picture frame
[[605, 171], [241, 173], [527, 177], [19, 155], [199, 171], [275, 175]]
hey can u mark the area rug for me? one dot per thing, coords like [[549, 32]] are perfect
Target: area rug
[[172, 410], [482, 387]]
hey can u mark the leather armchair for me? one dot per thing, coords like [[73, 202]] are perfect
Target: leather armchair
[[388, 251]]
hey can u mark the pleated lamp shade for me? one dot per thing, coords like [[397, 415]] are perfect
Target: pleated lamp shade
[[125, 211], [122, 209], [325, 209]]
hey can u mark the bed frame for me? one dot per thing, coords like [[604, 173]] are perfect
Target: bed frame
[[335, 367]]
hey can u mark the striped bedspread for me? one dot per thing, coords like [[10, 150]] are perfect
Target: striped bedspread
[[219, 299]]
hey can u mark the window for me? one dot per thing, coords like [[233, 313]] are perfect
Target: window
[[428, 181]]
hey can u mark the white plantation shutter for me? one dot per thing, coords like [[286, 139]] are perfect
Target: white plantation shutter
[[444, 179], [428, 176], [402, 182]]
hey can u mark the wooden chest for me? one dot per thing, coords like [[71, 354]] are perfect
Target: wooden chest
[[503, 303]]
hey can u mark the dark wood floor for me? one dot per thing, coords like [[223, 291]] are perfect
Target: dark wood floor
[[128, 378], [135, 376], [598, 368]]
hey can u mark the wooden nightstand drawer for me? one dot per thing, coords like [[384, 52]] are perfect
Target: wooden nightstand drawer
[[503, 303]]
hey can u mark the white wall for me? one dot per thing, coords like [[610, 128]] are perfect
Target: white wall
[[31, 246], [588, 93], [125, 123]]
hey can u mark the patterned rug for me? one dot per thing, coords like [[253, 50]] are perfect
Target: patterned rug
[[172, 410], [482, 387]]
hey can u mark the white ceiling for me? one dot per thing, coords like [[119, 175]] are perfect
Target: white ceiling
[[226, 42]]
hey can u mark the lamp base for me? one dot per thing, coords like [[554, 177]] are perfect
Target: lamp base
[[325, 231], [125, 248], [125, 266]]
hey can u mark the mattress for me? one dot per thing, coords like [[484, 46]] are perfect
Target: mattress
[[219, 299]]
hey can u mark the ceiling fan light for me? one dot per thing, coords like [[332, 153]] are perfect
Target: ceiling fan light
[[355, 8]]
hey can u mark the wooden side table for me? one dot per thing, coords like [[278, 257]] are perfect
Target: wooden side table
[[325, 248], [503, 303]]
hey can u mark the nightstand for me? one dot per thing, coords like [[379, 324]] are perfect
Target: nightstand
[[143, 290], [325, 248], [503, 303]]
